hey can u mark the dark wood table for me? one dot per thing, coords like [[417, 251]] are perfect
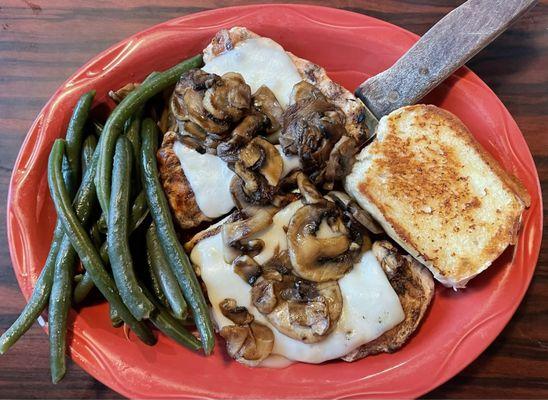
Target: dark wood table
[[43, 41]]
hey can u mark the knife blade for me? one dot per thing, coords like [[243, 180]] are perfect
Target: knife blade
[[447, 46]]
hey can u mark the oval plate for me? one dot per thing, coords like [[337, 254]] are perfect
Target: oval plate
[[352, 47]]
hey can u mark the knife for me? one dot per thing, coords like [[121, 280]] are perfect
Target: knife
[[449, 44]]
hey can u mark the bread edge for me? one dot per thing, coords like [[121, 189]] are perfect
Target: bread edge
[[509, 181]]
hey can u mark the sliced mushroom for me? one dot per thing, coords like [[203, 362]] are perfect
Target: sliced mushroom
[[246, 130], [387, 255], [265, 102], [263, 295], [228, 97], [280, 262], [264, 158], [321, 248], [247, 268], [340, 162], [212, 102], [303, 91], [355, 212], [260, 167], [311, 128], [192, 136], [310, 194], [237, 314], [237, 235], [248, 344], [303, 310]]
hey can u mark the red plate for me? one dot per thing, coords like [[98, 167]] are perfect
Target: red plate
[[459, 325]]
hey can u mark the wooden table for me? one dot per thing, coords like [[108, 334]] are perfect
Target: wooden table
[[43, 42]]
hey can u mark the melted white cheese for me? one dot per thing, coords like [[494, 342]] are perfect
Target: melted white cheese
[[209, 177], [370, 305], [261, 61]]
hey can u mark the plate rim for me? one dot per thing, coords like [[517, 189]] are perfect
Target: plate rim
[[26, 290]]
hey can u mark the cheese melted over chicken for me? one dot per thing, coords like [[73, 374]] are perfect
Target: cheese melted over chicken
[[370, 305], [260, 61]]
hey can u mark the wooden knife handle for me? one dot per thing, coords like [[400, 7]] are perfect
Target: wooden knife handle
[[449, 44]]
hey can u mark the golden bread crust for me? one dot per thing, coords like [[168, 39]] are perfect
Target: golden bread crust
[[439, 193]]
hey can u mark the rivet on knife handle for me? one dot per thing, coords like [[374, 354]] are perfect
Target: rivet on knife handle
[[449, 44]]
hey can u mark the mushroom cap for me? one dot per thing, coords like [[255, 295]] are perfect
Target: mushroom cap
[[210, 101], [237, 235], [248, 344], [265, 102], [311, 127], [260, 167], [387, 255], [303, 310], [321, 248]]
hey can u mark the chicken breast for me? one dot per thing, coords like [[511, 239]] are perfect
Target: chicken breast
[[179, 192], [226, 40], [176, 187], [414, 286]]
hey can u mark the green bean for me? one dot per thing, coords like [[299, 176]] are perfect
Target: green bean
[[139, 212], [174, 328], [61, 290], [38, 300], [97, 128], [59, 305], [133, 134], [75, 136], [83, 246], [176, 256], [96, 236], [163, 274], [118, 235], [155, 284], [115, 319], [60, 298], [42, 289], [127, 107], [170, 326], [88, 148], [102, 223]]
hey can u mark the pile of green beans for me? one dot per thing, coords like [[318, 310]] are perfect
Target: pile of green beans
[[103, 180]]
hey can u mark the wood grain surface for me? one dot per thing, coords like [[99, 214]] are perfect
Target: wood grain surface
[[43, 41]]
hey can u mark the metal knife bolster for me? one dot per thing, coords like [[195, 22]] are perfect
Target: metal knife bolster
[[449, 44]]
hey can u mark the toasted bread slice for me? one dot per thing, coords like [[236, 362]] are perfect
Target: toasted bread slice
[[415, 288], [438, 193]]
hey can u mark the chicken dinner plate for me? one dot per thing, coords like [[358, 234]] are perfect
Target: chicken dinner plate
[[352, 47]]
